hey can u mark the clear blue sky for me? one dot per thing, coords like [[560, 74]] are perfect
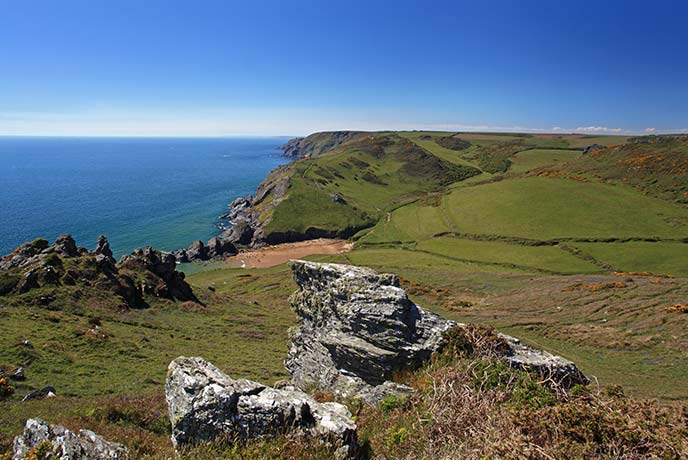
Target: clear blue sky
[[152, 67]]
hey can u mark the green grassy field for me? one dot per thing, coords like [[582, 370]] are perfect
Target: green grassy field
[[659, 258], [531, 159], [529, 258], [548, 208]]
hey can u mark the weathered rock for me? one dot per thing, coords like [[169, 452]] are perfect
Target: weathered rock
[[357, 328], [29, 281], [550, 367], [66, 246], [65, 444], [593, 147], [18, 375], [103, 247], [204, 403], [216, 248], [45, 392], [166, 280]]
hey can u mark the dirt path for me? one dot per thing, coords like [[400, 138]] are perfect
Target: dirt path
[[281, 253]]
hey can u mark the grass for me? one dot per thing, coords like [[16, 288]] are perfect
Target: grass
[[535, 258], [528, 160], [548, 208], [658, 258]]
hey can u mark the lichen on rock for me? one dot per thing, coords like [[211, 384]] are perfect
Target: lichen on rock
[[206, 404]]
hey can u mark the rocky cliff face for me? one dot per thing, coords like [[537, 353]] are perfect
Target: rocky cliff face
[[318, 143], [357, 327], [204, 404], [248, 216]]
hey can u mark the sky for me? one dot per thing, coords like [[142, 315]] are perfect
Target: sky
[[218, 68]]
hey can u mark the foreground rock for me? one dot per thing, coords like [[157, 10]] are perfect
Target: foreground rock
[[55, 441], [205, 403], [358, 327]]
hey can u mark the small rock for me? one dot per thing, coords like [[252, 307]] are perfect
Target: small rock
[[45, 392], [18, 375], [65, 444]]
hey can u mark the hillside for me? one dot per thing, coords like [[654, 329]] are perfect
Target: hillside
[[566, 247], [656, 165], [318, 143], [346, 189]]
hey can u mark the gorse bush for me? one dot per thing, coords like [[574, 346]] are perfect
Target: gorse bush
[[6, 390]]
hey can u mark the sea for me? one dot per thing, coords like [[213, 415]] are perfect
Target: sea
[[162, 192]]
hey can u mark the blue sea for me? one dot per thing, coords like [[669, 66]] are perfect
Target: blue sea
[[164, 192]]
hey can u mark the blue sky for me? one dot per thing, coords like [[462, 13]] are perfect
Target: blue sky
[[207, 68]]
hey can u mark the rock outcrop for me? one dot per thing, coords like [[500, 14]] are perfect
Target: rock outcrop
[[204, 403], [550, 367], [56, 441], [250, 215], [146, 271], [161, 277], [318, 143], [215, 248], [356, 328]]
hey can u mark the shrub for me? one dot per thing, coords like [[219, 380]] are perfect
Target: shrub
[[7, 283], [470, 341], [53, 260], [6, 390], [39, 244]]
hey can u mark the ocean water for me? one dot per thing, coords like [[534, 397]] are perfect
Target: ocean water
[[164, 192]]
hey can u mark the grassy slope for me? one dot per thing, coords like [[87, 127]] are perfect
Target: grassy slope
[[544, 208], [372, 176], [659, 258]]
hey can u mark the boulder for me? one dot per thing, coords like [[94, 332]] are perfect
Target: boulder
[[550, 367], [103, 247], [166, 280], [66, 246], [204, 404], [63, 444], [356, 328], [18, 375], [216, 248]]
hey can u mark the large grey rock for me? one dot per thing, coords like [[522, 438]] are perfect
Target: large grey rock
[[204, 403], [356, 329], [65, 444]]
